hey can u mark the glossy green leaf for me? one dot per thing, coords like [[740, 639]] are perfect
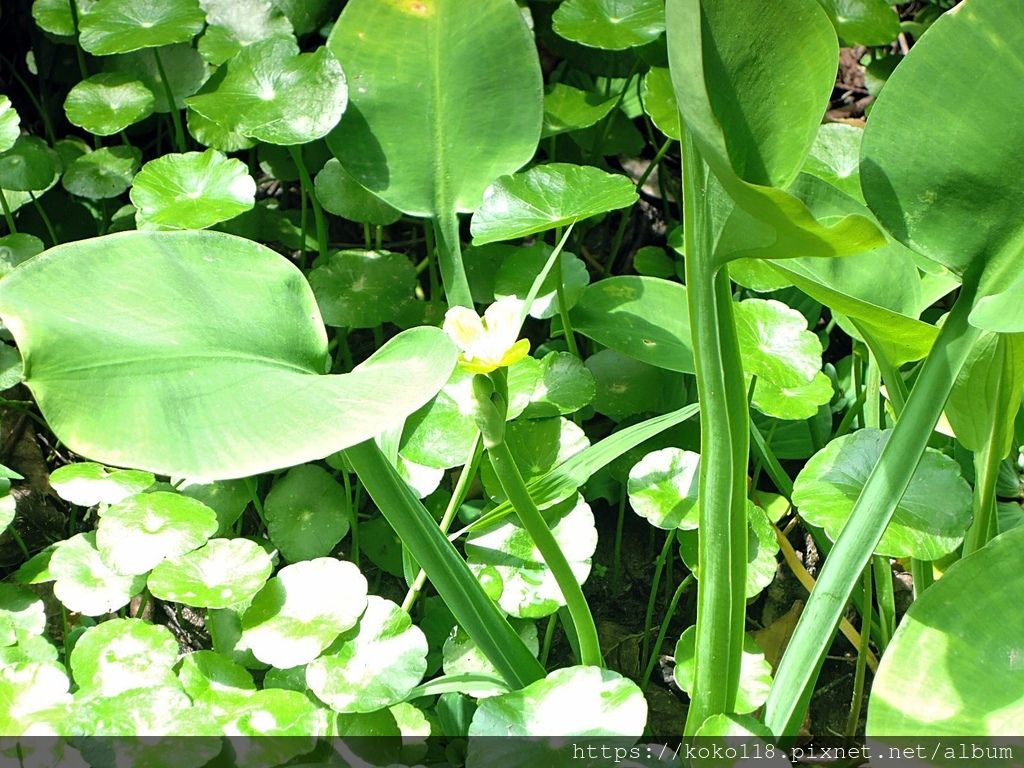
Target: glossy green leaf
[[228, 498], [185, 69], [880, 290], [30, 648], [191, 191], [121, 654], [545, 197], [755, 146], [627, 387], [930, 519], [87, 484], [574, 701], [660, 102], [223, 572], [216, 136], [10, 124], [8, 509], [121, 26], [231, 25], [792, 403], [863, 22], [15, 249], [965, 215], [307, 513], [134, 536], [340, 193], [528, 589], [775, 343], [762, 550], [610, 24], [987, 393], [22, 614], [953, 665], [275, 94], [374, 666], [537, 445], [440, 433], [54, 16], [520, 269], [28, 166], [164, 710], [307, 15], [642, 317], [35, 696], [447, 97], [663, 488], [108, 102], [755, 672], [462, 656], [203, 671], [835, 157], [362, 289], [156, 331], [104, 173], [87, 585], [564, 385], [570, 109], [271, 712], [294, 618], [720, 733]]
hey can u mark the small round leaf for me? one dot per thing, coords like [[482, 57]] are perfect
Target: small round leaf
[[302, 610], [84, 583], [191, 191], [931, 518], [87, 483], [234, 24], [28, 166], [9, 124], [107, 172], [121, 654], [373, 667], [307, 513], [275, 94], [362, 289], [22, 614], [134, 536], [663, 488], [610, 24], [222, 573], [564, 386], [775, 344], [184, 67], [755, 671], [120, 26], [545, 197], [109, 102], [340, 193], [35, 696]]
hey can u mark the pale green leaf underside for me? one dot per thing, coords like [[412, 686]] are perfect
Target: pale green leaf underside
[[144, 364]]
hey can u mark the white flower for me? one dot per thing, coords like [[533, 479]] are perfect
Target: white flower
[[490, 342]]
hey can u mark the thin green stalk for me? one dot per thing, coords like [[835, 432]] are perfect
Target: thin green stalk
[[549, 635], [19, 541], [46, 219], [318, 211], [80, 54], [886, 597], [353, 512], [725, 440], [652, 597], [472, 608], [617, 564], [563, 306], [923, 574], [179, 130], [254, 496], [533, 521], [458, 496], [883, 491], [673, 604], [367, 238], [862, 658], [8, 216], [449, 258]]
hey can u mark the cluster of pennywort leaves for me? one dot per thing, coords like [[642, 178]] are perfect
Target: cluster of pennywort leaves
[[309, 379]]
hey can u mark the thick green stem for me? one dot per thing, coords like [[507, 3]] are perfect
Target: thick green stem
[[318, 211], [885, 487], [8, 216], [458, 587], [449, 258], [725, 442], [563, 309], [533, 521]]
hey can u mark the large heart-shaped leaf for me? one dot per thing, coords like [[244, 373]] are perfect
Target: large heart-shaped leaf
[[963, 209], [954, 665], [724, 57], [146, 364], [273, 93], [447, 96]]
